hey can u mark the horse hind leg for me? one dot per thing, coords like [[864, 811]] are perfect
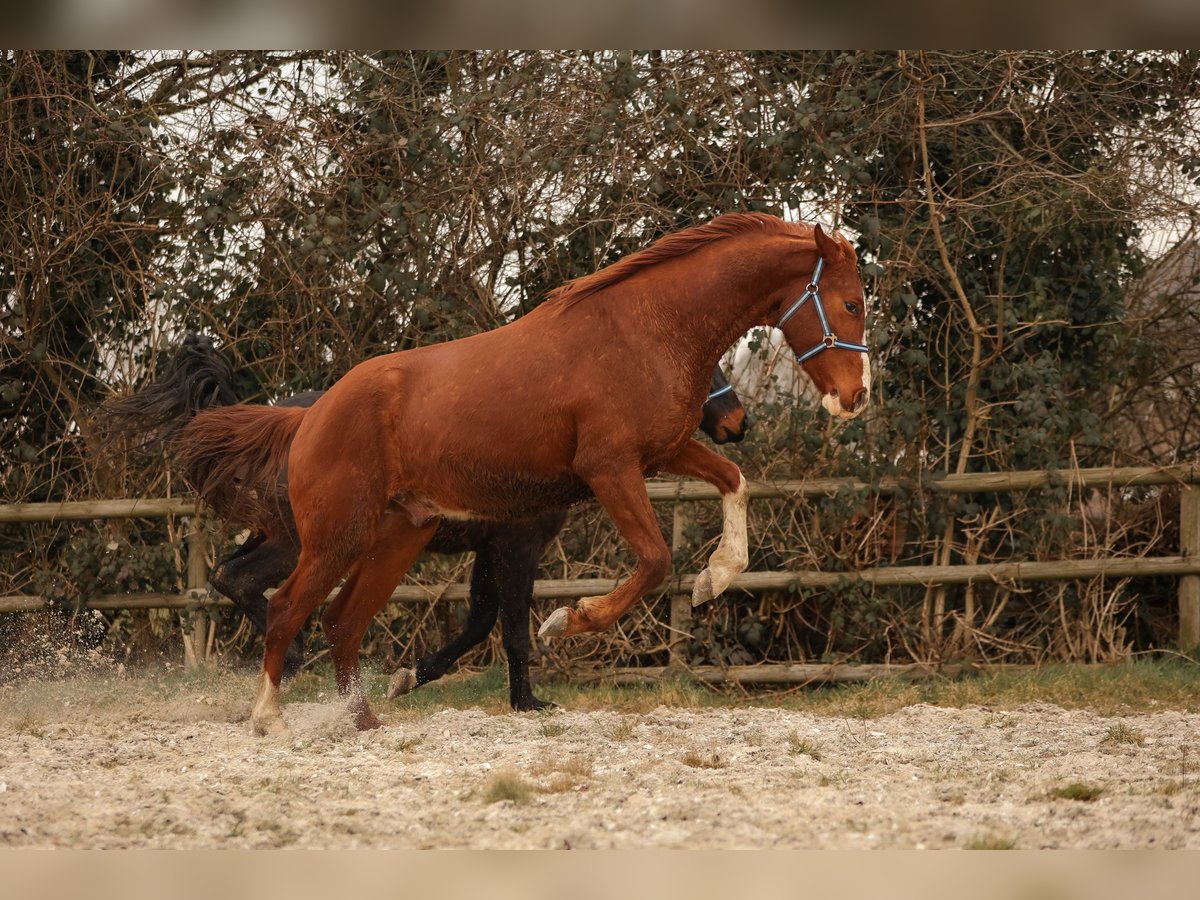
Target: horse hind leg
[[287, 610], [365, 592]]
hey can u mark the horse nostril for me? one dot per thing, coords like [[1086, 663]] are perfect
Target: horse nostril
[[860, 399]]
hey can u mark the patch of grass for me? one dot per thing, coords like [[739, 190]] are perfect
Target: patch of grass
[[462, 690], [1077, 790], [798, 746], [840, 779], [31, 724], [700, 761], [561, 783], [1123, 734], [508, 785], [1169, 788], [622, 731], [991, 842], [553, 729], [405, 744]]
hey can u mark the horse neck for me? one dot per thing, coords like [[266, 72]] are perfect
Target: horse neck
[[711, 297]]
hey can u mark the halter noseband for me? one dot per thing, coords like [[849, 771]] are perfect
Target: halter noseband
[[719, 391], [830, 340]]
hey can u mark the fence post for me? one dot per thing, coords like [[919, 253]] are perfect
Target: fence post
[[681, 604], [1189, 585], [195, 645]]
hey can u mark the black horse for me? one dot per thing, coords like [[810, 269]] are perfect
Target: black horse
[[506, 553]]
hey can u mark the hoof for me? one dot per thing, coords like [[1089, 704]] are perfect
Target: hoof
[[556, 624], [402, 682], [702, 590], [367, 721], [533, 704], [269, 727]]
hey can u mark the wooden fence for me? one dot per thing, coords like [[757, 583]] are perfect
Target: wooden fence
[[1185, 566]]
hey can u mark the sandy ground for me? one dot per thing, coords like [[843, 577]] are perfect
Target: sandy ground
[[105, 762]]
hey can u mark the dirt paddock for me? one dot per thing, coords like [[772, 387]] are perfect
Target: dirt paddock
[[105, 761]]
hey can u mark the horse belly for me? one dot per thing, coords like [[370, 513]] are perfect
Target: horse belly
[[495, 495], [505, 495]]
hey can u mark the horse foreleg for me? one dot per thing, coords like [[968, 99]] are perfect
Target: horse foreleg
[[365, 592], [732, 556], [624, 496]]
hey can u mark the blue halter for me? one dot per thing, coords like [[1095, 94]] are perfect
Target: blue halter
[[830, 340], [719, 391]]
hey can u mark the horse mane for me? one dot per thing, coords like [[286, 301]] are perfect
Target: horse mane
[[667, 247]]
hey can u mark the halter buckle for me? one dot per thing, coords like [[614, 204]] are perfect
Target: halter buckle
[[829, 341]]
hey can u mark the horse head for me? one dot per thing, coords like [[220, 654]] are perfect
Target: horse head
[[825, 325], [724, 419]]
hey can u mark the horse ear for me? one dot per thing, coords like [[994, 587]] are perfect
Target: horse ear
[[830, 247]]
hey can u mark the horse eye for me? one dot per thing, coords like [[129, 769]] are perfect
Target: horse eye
[[852, 308]]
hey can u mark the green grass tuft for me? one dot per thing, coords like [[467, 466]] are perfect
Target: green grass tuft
[[991, 842], [1077, 790], [1123, 734], [798, 746], [700, 761], [508, 785]]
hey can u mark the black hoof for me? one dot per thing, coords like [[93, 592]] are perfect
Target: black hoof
[[533, 704]]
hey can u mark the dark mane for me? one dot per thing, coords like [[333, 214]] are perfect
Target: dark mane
[[669, 247]]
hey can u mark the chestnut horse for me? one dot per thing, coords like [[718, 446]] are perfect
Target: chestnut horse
[[608, 374], [506, 553]]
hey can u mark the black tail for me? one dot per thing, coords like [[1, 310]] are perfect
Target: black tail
[[196, 378]]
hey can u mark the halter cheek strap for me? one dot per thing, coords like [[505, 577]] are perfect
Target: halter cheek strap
[[829, 340]]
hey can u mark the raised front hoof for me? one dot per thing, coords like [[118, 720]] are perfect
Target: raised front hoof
[[268, 726], [403, 681], [702, 590], [533, 704], [556, 624]]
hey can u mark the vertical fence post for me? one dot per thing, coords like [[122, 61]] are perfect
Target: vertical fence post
[[681, 604], [195, 646], [1189, 585]]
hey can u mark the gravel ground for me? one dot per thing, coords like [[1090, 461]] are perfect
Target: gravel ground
[[105, 761]]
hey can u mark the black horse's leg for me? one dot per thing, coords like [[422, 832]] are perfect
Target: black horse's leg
[[517, 554], [485, 602], [506, 558], [259, 564], [514, 620]]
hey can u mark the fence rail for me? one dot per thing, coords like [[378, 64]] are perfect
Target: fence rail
[[1185, 566]]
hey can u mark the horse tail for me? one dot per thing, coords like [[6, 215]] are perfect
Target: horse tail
[[197, 377], [234, 458]]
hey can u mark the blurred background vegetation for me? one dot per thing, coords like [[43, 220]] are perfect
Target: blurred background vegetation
[[1026, 223]]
